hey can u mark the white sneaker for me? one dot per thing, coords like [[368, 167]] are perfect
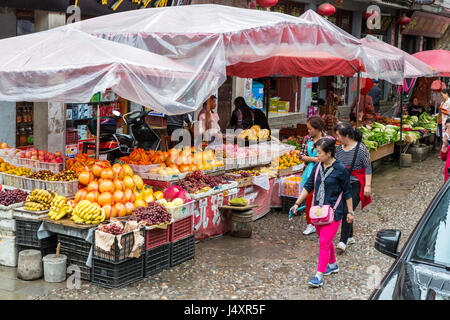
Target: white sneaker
[[309, 229], [341, 247], [350, 240]]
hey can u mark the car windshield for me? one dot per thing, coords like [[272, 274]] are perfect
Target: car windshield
[[433, 244]]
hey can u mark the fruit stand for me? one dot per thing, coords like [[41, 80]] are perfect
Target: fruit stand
[[176, 208]]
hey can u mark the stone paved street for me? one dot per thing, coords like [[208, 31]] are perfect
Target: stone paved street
[[278, 260]]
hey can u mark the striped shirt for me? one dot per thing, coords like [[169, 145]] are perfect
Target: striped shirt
[[362, 158]]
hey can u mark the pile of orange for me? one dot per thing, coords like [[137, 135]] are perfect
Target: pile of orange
[[81, 162], [116, 189], [291, 186], [289, 159]]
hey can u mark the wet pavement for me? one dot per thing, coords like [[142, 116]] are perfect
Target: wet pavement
[[278, 261]]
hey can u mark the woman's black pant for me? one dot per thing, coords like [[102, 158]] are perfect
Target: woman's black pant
[[347, 228]]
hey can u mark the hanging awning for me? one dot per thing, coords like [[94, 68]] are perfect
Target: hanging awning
[[426, 24]]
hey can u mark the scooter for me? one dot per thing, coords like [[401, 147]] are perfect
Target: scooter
[[112, 145], [144, 136], [116, 145]]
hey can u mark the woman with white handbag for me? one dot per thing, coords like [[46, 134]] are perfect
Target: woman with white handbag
[[331, 183]]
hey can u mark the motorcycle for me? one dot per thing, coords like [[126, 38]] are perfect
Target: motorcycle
[[112, 145]]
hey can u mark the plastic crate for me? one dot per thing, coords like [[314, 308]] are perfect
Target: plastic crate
[[75, 258], [182, 211], [31, 184], [26, 235], [13, 181], [111, 275], [290, 188], [287, 203], [53, 167], [181, 228], [118, 255], [74, 244], [71, 136], [63, 188], [27, 163], [156, 237], [44, 251], [157, 260], [182, 250]]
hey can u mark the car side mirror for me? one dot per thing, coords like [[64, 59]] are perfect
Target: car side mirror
[[387, 241]]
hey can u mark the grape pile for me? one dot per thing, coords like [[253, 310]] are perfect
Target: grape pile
[[112, 228], [154, 213], [10, 197], [196, 181]]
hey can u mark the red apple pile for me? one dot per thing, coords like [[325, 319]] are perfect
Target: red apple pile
[[42, 156]]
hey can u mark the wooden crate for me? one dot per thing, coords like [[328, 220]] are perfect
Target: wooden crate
[[382, 151]]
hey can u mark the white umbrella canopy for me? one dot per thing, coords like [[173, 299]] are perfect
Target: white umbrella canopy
[[414, 68], [67, 65], [378, 63], [214, 37]]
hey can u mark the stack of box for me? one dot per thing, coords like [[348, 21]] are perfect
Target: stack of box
[[77, 252], [8, 248]]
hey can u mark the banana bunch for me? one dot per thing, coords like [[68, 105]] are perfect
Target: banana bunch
[[59, 208], [38, 200], [88, 213]]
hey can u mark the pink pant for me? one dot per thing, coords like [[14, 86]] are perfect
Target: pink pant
[[326, 247]]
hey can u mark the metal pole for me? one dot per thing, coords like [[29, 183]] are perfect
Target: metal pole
[[358, 97], [401, 125], [97, 139]]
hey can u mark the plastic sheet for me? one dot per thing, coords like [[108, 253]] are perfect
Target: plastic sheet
[[378, 63], [251, 43], [414, 68], [67, 65]]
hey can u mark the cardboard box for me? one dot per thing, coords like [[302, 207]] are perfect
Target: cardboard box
[[75, 113], [273, 104], [69, 114], [89, 111], [82, 132], [283, 106]]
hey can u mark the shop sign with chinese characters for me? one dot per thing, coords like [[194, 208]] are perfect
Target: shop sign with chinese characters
[[427, 24]]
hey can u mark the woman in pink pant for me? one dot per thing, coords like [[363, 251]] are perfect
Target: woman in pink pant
[[330, 182], [444, 148]]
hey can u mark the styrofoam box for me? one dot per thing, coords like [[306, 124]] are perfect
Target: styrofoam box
[[8, 251], [7, 225], [182, 211], [7, 214]]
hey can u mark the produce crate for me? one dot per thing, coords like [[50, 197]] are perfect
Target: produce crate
[[181, 228], [71, 136], [44, 251], [156, 237], [31, 184], [382, 151], [13, 181], [182, 211], [290, 188], [63, 188], [157, 260], [285, 172], [53, 167], [110, 275], [27, 163], [287, 203], [26, 235], [182, 250], [119, 255], [74, 244], [78, 259]]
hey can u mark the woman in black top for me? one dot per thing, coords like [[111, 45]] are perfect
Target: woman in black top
[[353, 152], [332, 184], [415, 109], [242, 116]]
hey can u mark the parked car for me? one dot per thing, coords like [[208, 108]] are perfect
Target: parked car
[[421, 270]]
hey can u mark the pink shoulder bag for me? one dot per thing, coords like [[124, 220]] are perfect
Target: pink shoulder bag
[[321, 215]]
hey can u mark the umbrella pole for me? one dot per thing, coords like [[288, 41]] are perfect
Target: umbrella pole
[[97, 139], [358, 96], [401, 126]]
